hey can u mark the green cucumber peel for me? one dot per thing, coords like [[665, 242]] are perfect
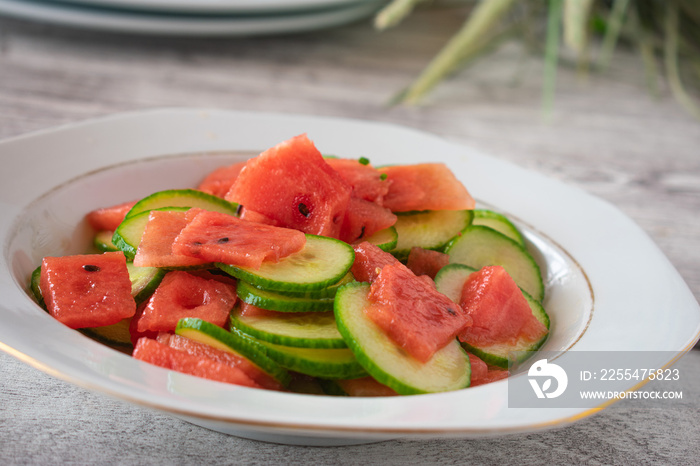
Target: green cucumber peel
[[334, 363], [281, 303], [183, 198], [498, 222], [303, 330]]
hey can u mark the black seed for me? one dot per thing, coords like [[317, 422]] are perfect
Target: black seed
[[196, 243], [238, 209], [222, 240], [303, 210], [362, 232], [451, 311], [91, 268]]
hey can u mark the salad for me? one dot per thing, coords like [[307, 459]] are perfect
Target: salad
[[309, 273]]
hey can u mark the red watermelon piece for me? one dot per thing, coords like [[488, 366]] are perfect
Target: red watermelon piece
[[250, 310], [156, 247], [369, 261], [109, 218], [366, 387], [216, 237], [365, 180], [412, 313], [499, 310], [426, 262], [363, 219], [219, 181], [256, 217], [133, 326], [427, 186], [483, 374], [181, 295], [90, 290], [292, 184], [159, 354], [235, 360]]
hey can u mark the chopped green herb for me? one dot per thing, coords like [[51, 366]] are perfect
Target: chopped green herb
[[364, 160], [383, 176]]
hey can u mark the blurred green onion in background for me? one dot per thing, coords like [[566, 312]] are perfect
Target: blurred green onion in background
[[665, 34]]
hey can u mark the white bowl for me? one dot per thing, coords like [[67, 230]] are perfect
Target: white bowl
[[608, 287]]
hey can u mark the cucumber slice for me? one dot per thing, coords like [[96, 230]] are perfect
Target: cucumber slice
[[127, 236], [447, 370], [479, 246], [34, 286], [303, 330], [327, 292], [279, 302], [498, 222], [385, 239], [429, 230], [502, 355], [332, 388], [183, 198], [450, 280], [144, 281], [103, 241], [322, 262], [117, 335], [234, 342], [336, 363]]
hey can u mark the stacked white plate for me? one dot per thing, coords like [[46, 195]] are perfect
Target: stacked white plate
[[194, 17]]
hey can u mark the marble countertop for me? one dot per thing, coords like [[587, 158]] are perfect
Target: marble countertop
[[607, 135]]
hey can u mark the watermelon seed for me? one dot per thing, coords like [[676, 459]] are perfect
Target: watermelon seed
[[91, 268], [239, 209], [451, 311], [303, 210], [222, 240]]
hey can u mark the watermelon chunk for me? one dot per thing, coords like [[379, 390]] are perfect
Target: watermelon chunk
[[413, 313], [109, 218], [181, 295], [90, 290], [369, 261], [365, 180], [224, 357], [365, 386], [428, 186], [426, 262], [292, 184], [363, 219], [133, 326], [500, 312], [156, 247], [216, 237], [159, 354], [482, 374], [252, 216], [219, 181]]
